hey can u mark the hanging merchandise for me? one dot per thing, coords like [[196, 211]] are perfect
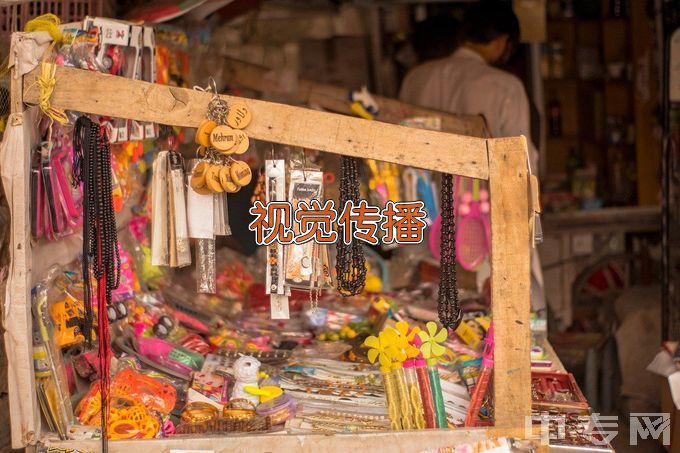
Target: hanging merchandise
[[217, 174], [306, 185], [275, 190], [101, 260], [448, 306], [350, 262], [56, 205], [418, 185], [205, 266], [472, 237], [170, 236]]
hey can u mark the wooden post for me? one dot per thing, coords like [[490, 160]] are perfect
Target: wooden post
[[18, 337], [510, 279]]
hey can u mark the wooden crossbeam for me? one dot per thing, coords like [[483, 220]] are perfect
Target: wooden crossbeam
[[335, 99], [103, 94]]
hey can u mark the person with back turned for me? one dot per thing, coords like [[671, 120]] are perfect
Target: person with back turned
[[468, 83]]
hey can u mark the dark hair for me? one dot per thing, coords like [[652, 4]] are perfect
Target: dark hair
[[486, 20], [436, 37]]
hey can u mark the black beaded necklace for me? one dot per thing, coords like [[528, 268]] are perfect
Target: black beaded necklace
[[101, 259], [448, 306], [350, 263]]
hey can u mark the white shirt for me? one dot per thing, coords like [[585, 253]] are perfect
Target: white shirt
[[465, 84]]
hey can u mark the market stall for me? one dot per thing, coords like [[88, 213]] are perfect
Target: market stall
[[513, 203]]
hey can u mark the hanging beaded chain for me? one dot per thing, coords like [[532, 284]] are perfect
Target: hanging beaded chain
[[273, 247], [350, 263], [448, 306], [92, 168], [101, 259]]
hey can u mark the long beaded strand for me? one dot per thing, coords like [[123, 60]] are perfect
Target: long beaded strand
[[101, 259], [350, 262], [448, 306]]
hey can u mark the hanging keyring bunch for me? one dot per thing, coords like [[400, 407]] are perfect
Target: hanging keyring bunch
[[220, 135], [448, 306], [350, 262]]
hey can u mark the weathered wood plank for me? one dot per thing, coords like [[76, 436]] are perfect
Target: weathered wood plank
[[398, 442], [103, 94], [335, 99], [18, 336], [510, 279]]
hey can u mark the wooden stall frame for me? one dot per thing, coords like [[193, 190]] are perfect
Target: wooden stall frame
[[501, 161]]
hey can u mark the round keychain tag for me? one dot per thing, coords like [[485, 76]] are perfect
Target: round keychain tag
[[243, 143], [241, 173], [227, 183], [239, 115], [203, 132], [197, 180], [223, 138], [212, 179]]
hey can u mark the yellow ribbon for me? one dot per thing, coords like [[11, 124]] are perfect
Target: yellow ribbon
[[46, 83], [48, 78]]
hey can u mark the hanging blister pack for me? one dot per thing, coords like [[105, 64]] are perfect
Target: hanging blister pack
[[70, 197], [169, 231], [199, 208], [275, 190], [37, 197], [305, 185], [178, 209], [160, 253], [56, 216]]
